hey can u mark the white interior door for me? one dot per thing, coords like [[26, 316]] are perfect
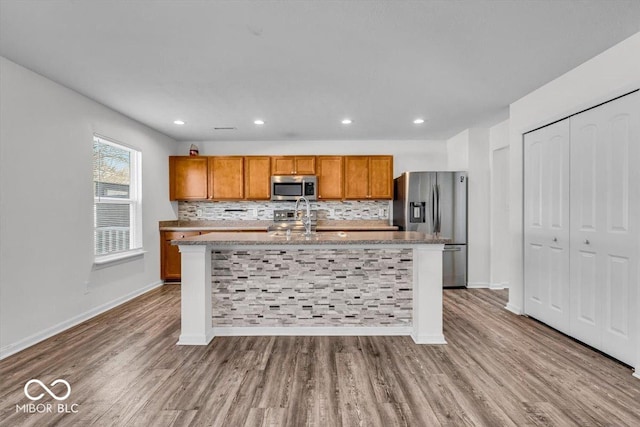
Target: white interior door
[[546, 217], [604, 226]]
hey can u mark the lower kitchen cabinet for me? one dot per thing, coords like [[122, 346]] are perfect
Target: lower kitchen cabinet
[[170, 264]]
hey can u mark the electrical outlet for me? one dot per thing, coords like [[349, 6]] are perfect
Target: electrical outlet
[[332, 212], [382, 213], [199, 213], [253, 213]]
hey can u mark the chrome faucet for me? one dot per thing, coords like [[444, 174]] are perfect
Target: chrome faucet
[[306, 220]]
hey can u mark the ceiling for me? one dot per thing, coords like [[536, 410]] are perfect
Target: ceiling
[[303, 66]]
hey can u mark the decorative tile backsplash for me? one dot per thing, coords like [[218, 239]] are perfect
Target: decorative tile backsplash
[[247, 210], [320, 287]]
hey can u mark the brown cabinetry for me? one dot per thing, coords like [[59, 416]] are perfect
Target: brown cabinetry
[[257, 178], [293, 165], [330, 171], [170, 265], [188, 178], [249, 178], [226, 177], [368, 177]]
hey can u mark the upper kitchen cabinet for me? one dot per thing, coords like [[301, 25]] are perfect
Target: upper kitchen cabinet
[[368, 177], [257, 177], [293, 165], [188, 178], [330, 177], [226, 177]]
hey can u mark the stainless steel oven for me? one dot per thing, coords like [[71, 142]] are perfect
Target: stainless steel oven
[[291, 187]]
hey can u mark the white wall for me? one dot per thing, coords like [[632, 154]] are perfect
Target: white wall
[[499, 246], [47, 280], [479, 197], [469, 151], [612, 73], [458, 152], [410, 155]]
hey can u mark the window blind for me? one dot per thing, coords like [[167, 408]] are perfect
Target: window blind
[[115, 197]]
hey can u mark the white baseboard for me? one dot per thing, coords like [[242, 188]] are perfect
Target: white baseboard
[[14, 348], [203, 339], [477, 285], [248, 331], [428, 339], [498, 286], [514, 309], [636, 373]]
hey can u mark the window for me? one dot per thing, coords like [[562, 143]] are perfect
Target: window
[[117, 207]]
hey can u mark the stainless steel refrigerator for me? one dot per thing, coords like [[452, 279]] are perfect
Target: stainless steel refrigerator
[[436, 203]]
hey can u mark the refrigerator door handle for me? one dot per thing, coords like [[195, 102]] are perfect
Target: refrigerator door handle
[[434, 228], [439, 220], [446, 249]]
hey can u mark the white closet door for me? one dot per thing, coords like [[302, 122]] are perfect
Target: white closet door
[[546, 217], [604, 226]]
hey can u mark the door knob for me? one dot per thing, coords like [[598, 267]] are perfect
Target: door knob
[[555, 239], [586, 242]]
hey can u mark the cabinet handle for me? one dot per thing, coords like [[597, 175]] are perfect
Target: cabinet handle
[[182, 236], [555, 239], [586, 242]]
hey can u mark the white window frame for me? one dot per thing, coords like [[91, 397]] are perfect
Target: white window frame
[[134, 201]]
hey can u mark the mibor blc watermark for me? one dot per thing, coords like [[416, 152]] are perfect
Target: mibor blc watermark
[[35, 390]]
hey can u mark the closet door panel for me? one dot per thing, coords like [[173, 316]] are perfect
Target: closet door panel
[[604, 227], [557, 200], [619, 141], [546, 224], [534, 233]]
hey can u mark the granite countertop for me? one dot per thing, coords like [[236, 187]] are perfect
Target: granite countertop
[[319, 238], [262, 225]]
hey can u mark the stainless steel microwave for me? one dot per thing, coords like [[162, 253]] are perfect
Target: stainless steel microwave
[[290, 187]]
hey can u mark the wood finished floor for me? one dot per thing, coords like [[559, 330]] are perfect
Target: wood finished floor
[[498, 369]]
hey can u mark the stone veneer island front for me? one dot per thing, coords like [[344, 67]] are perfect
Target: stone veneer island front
[[329, 283]]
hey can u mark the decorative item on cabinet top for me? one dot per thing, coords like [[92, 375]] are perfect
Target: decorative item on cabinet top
[[249, 177]]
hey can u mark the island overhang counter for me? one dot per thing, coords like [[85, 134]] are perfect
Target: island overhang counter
[[328, 283]]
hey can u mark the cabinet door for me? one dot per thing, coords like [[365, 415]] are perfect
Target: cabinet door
[[305, 165], [226, 178], [381, 177], [187, 178], [283, 165], [293, 165], [257, 178], [605, 226], [356, 177], [170, 261], [546, 225], [330, 177]]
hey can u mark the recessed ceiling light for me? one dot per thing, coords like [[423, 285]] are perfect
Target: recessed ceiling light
[[418, 121], [178, 122], [347, 121], [258, 122]]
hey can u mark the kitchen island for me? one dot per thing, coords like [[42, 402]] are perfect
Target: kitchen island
[[328, 283]]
